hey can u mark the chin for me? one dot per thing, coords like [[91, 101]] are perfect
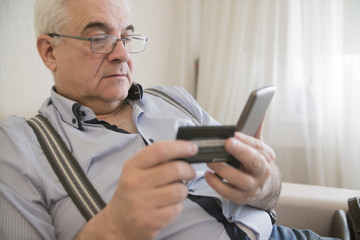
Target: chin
[[115, 95]]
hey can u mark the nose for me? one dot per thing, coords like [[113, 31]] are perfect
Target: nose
[[119, 53]]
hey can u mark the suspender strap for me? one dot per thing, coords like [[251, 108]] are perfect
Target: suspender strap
[[173, 102], [210, 205], [68, 170]]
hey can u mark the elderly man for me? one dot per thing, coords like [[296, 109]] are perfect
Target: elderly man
[[124, 142]]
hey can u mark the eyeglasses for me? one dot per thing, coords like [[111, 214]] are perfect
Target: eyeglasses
[[105, 43]]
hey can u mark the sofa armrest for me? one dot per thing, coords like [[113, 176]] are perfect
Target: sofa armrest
[[311, 207]]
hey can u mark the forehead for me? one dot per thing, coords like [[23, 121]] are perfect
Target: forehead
[[112, 13]]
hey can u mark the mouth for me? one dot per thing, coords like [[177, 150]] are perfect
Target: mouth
[[115, 75]]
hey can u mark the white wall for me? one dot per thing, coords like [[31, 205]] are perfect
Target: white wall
[[24, 80]]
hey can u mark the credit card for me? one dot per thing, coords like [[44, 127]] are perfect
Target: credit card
[[210, 141]]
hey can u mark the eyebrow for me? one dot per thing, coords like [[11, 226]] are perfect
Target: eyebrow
[[104, 25]]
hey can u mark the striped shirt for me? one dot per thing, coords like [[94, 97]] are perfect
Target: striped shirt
[[33, 203]]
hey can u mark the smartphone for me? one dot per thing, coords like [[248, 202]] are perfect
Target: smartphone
[[211, 139], [255, 110]]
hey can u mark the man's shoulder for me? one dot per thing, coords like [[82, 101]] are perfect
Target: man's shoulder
[[12, 121], [181, 96], [173, 91], [15, 129], [17, 141]]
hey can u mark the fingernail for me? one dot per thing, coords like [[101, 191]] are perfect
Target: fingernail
[[193, 148], [233, 142], [239, 134]]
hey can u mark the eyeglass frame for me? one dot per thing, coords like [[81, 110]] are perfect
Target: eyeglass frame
[[90, 39]]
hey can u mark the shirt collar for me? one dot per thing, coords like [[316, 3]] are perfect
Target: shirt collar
[[76, 114], [70, 111]]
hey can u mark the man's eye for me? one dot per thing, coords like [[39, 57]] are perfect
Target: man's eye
[[128, 40], [98, 39]]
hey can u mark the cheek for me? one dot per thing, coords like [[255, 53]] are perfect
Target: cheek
[[130, 72], [130, 64], [77, 74], [86, 69]]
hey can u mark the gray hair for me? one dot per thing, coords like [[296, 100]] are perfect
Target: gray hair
[[50, 16]]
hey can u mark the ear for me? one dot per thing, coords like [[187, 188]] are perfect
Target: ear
[[46, 51]]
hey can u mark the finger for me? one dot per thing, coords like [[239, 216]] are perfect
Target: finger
[[251, 141], [235, 178], [163, 151], [257, 144], [153, 220], [149, 199], [230, 191], [252, 160], [169, 195], [167, 214], [169, 172]]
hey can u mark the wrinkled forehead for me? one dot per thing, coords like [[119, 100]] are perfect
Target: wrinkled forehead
[[114, 14]]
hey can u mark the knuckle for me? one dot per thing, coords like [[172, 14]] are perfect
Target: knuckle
[[127, 167], [175, 211], [179, 191], [161, 149], [272, 155], [253, 195], [269, 153], [177, 169], [252, 192], [136, 204], [267, 172], [256, 161], [257, 144], [249, 184], [132, 182]]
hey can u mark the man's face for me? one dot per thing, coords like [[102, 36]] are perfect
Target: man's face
[[89, 78]]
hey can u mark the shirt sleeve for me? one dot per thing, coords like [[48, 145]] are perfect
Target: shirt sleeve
[[23, 209]]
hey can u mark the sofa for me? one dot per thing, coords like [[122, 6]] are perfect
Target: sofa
[[312, 207]]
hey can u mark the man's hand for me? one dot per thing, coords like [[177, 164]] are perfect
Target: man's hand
[[149, 194], [257, 182]]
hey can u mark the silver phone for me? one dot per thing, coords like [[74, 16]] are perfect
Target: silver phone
[[211, 139], [255, 110]]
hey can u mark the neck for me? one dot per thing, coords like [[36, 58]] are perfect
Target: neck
[[121, 117]]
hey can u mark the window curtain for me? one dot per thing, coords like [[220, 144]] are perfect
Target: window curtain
[[309, 50]]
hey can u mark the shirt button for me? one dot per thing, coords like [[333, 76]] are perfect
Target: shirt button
[[74, 121], [151, 140]]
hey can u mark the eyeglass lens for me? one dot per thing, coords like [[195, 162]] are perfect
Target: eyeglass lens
[[105, 43]]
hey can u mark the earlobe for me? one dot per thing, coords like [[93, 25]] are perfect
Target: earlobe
[[46, 51]]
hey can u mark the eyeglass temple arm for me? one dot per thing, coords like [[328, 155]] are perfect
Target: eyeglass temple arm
[[67, 36]]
